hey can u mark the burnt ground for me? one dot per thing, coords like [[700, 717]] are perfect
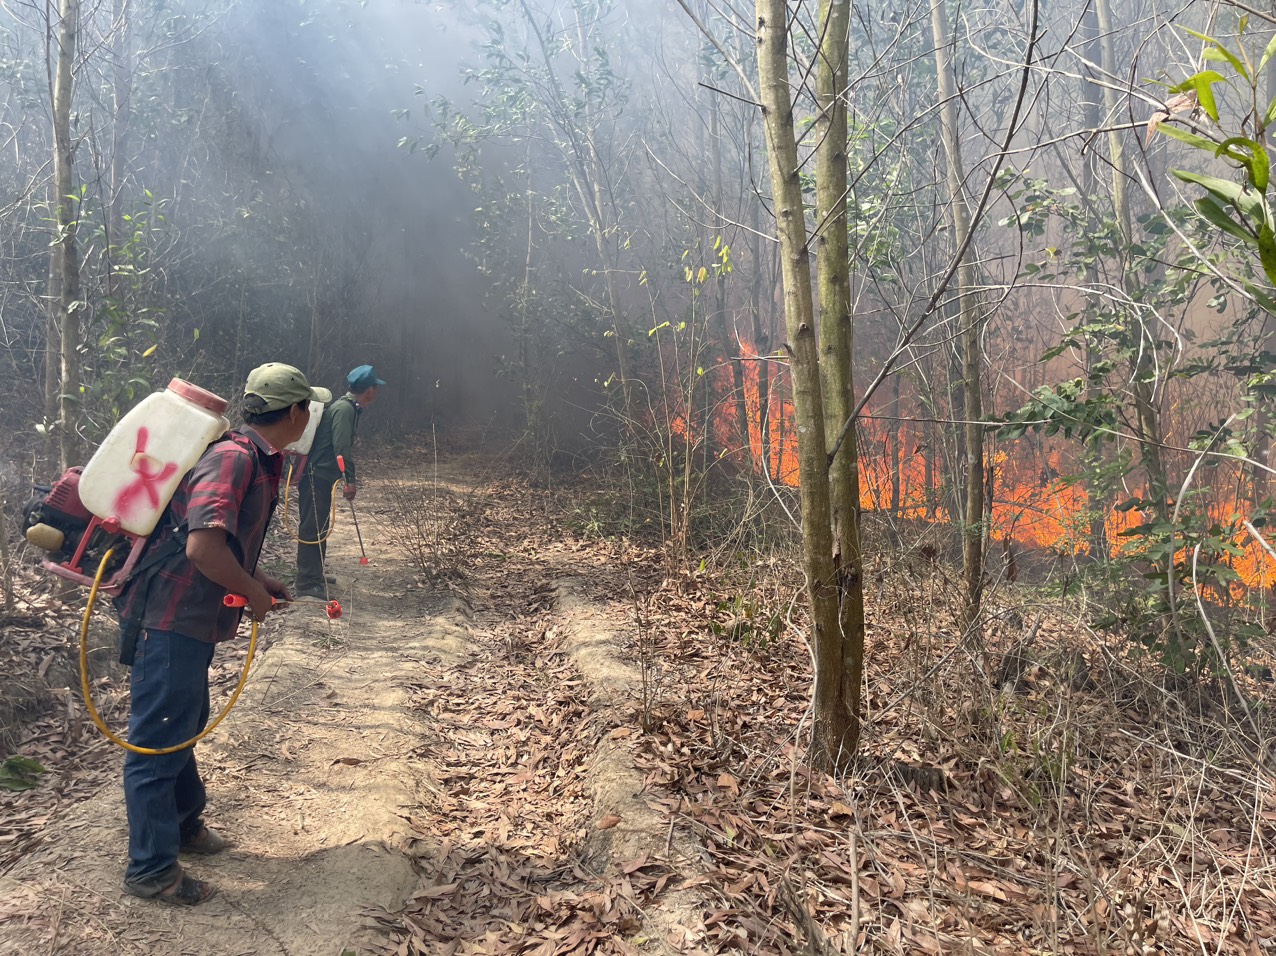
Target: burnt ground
[[525, 735]]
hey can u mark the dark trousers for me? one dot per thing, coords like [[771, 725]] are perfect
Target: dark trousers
[[164, 794], [314, 519]]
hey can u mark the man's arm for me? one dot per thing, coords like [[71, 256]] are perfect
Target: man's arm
[[218, 484], [343, 425], [208, 550]]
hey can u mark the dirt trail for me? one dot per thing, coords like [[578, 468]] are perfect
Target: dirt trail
[[323, 775]]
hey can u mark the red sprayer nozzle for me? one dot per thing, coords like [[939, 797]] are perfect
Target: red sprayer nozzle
[[237, 600]]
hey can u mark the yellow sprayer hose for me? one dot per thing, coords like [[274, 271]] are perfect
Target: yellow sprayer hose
[[332, 518], [88, 697]]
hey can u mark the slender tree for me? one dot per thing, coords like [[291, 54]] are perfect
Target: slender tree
[[968, 318], [64, 270], [833, 738], [836, 353]]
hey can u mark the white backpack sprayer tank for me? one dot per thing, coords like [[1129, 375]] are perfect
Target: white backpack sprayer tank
[[120, 495], [302, 445]]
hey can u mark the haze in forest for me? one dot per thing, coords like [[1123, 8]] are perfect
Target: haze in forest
[[558, 217], [926, 346]]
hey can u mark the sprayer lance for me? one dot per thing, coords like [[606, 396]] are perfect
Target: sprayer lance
[[331, 608], [341, 466]]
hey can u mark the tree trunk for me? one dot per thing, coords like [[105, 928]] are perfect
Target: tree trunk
[[122, 91], [52, 345], [834, 729], [895, 446], [832, 250], [531, 418], [730, 347], [1147, 415], [65, 261], [969, 323], [1260, 481], [587, 175], [761, 336], [928, 468], [1092, 99]]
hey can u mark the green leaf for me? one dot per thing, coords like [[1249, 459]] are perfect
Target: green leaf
[[1267, 54], [1252, 155], [1267, 252], [1218, 217], [1218, 53], [20, 773], [1263, 297], [1203, 84], [1217, 50], [151, 351], [1224, 189], [1249, 202], [1183, 136]]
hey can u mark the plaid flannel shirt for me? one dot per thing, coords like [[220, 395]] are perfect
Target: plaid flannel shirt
[[233, 486]]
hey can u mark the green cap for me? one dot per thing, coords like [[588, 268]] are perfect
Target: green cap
[[274, 385]]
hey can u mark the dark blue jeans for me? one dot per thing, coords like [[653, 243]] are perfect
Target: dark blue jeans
[[314, 520], [164, 794]]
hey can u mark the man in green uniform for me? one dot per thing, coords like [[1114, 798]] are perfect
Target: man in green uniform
[[335, 436]]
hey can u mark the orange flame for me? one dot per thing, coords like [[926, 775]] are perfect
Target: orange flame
[[1033, 505]]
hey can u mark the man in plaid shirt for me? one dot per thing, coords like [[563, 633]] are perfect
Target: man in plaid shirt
[[221, 509]]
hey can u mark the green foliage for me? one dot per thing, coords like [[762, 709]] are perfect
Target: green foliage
[[1063, 408], [746, 620], [124, 318], [1239, 210], [1125, 352], [20, 773]]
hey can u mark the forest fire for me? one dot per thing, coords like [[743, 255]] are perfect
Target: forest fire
[[1034, 503]]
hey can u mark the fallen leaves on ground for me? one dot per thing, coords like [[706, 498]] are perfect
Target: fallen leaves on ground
[[1059, 812]]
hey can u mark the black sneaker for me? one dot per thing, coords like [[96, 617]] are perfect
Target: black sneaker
[[312, 591]]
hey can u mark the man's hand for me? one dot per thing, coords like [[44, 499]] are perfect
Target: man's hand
[[260, 602], [351, 489], [274, 587]]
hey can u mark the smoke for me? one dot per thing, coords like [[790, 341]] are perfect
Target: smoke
[[328, 89]]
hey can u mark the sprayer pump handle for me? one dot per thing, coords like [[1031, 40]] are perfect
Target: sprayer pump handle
[[341, 464]]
